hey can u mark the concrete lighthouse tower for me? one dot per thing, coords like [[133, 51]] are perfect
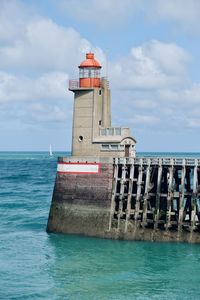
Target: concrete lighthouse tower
[[92, 134]]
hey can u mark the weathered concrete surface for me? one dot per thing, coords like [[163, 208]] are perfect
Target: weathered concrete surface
[[77, 219], [139, 233], [81, 203]]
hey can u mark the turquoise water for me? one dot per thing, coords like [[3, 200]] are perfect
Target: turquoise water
[[37, 265]]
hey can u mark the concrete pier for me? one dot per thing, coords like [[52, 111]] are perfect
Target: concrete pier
[[156, 199]]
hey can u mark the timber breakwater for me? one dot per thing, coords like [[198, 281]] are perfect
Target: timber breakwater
[[128, 198]]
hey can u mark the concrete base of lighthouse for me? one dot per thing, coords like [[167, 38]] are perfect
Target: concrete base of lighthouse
[[81, 197]]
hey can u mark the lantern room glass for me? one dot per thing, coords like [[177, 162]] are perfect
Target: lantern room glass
[[89, 73]]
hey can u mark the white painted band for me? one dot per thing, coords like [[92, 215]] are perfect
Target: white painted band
[[78, 168]]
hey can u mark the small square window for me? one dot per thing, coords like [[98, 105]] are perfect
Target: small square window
[[105, 147], [114, 147]]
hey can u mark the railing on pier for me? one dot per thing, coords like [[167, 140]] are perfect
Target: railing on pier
[[157, 161]]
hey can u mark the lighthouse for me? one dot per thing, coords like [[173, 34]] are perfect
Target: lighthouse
[[104, 190], [92, 132]]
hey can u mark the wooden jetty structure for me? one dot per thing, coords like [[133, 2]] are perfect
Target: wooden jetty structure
[[105, 190]]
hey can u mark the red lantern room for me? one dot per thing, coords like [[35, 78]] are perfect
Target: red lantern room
[[89, 72]]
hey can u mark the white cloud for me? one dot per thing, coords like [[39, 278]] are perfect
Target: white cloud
[[155, 87], [40, 44], [144, 119], [106, 14], [166, 109], [187, 97], [193, 123], [46, 113], [111, 13], [184, 13], [28, 100], [52, 85], [37, 56], [144, 103], [152, 65], [13, 16]]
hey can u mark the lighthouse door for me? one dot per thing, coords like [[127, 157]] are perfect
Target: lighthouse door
[[127, 150]]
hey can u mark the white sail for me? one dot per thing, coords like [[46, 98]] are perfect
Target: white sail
[[50, 151]]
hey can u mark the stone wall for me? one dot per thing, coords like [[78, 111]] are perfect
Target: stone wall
[[81, 202]]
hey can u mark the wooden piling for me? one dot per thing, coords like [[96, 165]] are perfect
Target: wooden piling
[[157, 207], [138, 195], [170, 195], [194, 197], [114, 187], [181, 198], [146, 194], [121, 195], [128, 209]]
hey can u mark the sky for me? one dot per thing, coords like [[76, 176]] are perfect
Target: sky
[[149, 49]]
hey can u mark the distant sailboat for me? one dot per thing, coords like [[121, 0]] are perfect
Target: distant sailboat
[[50, 150]]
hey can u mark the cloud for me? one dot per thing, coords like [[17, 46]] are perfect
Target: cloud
[[151, 65], [45, 46], [186, 14], [41, 100], [109, 14], [187, 97], [13, 16], [52, 85], [30, 42], [106, 14], [144, 119], [46, 113], [38, 55], [193, 123], [155, 88], [165, 109]]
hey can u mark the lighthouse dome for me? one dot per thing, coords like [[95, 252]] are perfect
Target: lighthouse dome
[[90, 62]]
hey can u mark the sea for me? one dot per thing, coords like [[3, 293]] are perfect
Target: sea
[[37, 265]]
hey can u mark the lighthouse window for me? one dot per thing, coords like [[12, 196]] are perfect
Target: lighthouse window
[[99, 92], [97, 73], [89, 73], [81, 73], [114, 147], [80, 138], [105, 147]]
